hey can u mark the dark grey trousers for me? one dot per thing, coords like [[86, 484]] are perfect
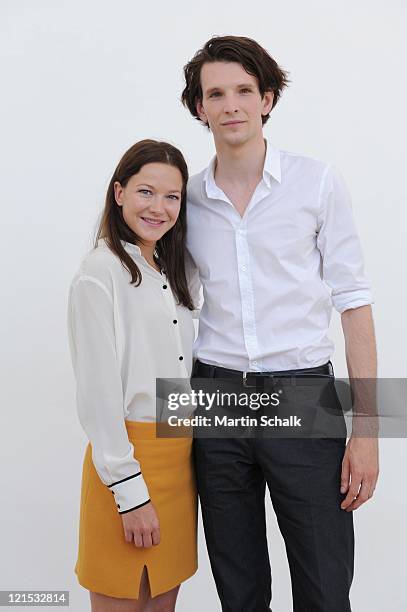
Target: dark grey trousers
[[303, 479]]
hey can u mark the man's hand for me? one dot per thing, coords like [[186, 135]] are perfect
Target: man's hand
[[360, 470], [142, 526]]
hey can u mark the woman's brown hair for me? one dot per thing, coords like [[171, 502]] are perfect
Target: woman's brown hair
[[113, 228], [245, 51]]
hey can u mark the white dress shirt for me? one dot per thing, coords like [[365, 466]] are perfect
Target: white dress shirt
[[122, 338], [271, 277]]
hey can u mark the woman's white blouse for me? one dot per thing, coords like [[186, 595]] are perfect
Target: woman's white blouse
[[122, 338]]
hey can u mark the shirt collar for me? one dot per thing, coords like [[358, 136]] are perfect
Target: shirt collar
[[272, 164], [130, 248], [271, 169]]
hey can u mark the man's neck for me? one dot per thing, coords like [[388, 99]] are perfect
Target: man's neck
[[242, 165]]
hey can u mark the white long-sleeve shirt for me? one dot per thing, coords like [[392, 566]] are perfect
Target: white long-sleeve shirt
[[271, 277], [122, 338]]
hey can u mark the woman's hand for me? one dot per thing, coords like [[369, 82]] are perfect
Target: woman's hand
[[142, 526]]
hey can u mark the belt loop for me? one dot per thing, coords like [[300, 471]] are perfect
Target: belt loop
[[212, 371], [293, 381]]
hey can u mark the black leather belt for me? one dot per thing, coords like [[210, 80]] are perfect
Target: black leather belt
[[249, 379]]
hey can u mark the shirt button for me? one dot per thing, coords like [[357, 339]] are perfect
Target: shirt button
[[175, 321], [244, 268], [254, 362], [112, 492], [180, 358], [118, 505], [164, 286]]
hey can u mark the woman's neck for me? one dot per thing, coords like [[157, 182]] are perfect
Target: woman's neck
[[147, 251]]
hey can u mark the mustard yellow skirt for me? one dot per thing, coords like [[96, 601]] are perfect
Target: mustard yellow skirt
[[106, 563]]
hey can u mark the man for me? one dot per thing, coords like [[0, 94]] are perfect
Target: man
[[268, 232]]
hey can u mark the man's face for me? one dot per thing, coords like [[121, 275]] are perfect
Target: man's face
[[231, 103]]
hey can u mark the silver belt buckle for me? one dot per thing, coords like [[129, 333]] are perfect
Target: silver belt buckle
[[244, 377], [245, 383], [245, 380]]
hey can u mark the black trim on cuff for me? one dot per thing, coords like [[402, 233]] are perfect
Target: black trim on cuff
[[123, 480], [135, 507]]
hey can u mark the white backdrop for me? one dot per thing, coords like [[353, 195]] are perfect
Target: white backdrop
[[82, 81]]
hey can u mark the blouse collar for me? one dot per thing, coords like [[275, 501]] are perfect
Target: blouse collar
[[131, 248], [134, 250]]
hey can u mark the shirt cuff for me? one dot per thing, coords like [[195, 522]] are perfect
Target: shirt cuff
[[352, 299], [130, 493]]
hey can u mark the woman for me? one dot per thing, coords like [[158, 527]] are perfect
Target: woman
[[130, 322]]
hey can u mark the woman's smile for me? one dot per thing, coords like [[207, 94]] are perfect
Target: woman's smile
[[154, 222]]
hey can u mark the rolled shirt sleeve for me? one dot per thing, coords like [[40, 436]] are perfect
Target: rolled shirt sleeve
[[100, 392], [339, 245]]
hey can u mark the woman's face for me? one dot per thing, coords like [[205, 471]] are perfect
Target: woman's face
[[151, 201]]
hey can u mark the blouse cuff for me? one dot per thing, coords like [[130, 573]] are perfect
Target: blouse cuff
[[130, 493]]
